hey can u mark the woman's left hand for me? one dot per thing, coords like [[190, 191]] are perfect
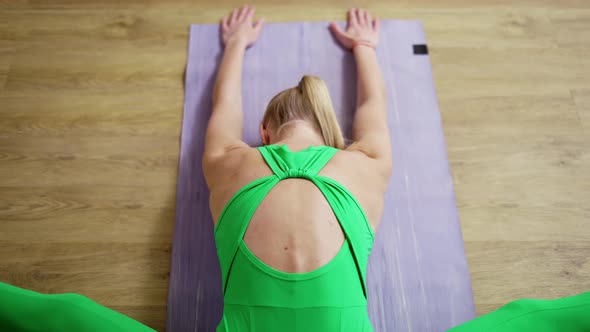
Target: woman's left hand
[[238, 27]]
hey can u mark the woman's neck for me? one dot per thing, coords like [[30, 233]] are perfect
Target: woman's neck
[[299, 136]]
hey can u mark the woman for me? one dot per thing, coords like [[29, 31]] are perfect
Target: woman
[[295, 218]]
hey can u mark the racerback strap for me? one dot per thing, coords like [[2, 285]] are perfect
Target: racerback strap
[[238, 212]]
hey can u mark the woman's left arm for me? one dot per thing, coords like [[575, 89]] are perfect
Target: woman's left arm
[[224, 131]]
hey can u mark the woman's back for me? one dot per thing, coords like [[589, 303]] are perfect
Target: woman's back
[[294, 228], [297, 218]]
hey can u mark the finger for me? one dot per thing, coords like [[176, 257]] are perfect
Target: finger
[[352, 17], [336, 29], [359, 16], [376, 24], [338, 33], [224, 26], [368, 18], [243, 12], [258, 25], [233, 17], [250, 14]]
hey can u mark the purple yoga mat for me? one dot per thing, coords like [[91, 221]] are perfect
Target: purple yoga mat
[[417, 275]]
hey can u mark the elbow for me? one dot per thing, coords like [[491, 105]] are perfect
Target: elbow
[[385, 169], [380, 96], [385, 158], [388, 166], [384, 94]]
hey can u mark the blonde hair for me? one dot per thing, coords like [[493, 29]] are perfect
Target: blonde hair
[[309, 101]]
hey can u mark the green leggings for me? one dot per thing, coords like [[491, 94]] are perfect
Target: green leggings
[[568, 314], [22, 310]]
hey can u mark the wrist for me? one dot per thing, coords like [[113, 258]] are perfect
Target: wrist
[[362, 44], [236, 42], [362, 51]]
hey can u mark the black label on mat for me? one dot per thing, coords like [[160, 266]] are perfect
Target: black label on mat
[[420, 49]]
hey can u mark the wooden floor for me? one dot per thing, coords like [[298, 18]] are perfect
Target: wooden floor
[[91, 100]]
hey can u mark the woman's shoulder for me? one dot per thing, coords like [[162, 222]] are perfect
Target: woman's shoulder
[[232, 166]]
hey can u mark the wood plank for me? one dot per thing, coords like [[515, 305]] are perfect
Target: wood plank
[[6, 54], [59, 257], [523, 170], [66, 160], [572, 27], [528, 190], [309, 4], [535, 269], [149, 29], [3, 76], [106, 272], [525, 115], [109, 213], [520, 221], [93, 114], [9, 4], [582, 100], [490, 72], [513, 27], [103, 71], [153, 316]]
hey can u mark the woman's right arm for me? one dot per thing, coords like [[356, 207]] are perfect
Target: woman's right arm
[[370, 131]]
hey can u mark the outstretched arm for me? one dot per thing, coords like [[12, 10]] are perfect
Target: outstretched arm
[[370, 132], [224, 131]]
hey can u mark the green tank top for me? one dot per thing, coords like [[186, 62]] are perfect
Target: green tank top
[[260, 298]]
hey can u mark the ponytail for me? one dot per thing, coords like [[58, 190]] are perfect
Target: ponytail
[[309, 101]]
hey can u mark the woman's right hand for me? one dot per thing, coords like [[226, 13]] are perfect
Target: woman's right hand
[[362, 29], [238, 26]]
